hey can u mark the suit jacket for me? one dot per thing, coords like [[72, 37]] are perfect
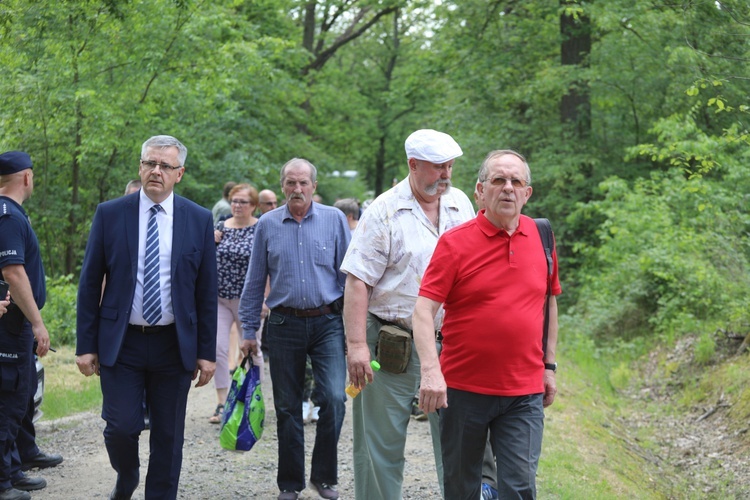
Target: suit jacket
[[112, 252]]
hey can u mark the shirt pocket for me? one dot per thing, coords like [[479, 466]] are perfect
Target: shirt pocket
[[324, 251]]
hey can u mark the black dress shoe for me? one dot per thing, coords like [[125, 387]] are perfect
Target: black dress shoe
[[14, 494], [29, 483], [42, 461]]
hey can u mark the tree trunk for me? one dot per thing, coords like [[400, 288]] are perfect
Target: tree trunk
[[71, 246], [380, 166], [575, 106]]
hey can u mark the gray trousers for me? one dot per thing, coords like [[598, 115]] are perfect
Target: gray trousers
[[489, 469], [516, 426], [381, 414]]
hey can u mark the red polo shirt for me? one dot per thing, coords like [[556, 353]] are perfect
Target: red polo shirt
[[493, 288]]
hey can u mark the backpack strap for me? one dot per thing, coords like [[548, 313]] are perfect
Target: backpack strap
[[548, 242]]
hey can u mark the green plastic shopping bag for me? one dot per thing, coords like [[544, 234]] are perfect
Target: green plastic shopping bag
[[244, 411]]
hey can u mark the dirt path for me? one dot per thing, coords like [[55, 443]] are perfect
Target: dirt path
[[208, 471]]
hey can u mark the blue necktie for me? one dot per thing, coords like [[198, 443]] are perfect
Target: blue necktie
[[151, 288]]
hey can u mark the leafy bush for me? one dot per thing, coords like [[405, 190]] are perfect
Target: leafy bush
[[59, 312], [672, 254], [705, 348]]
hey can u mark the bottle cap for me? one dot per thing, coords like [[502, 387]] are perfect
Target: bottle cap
[[375, 365]]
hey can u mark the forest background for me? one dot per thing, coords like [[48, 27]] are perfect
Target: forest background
[[632, 115]]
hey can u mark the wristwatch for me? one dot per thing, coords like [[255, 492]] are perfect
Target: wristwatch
[[550, 366]]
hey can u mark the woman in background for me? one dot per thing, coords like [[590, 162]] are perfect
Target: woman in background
[[234, 240]]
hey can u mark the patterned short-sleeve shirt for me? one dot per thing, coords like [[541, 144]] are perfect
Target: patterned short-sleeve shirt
[[233, 259], [393, 244]]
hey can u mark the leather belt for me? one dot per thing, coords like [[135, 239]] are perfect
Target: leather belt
[[148, 330], [304, 313]]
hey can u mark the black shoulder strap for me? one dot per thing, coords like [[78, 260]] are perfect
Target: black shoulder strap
[[548, 242]]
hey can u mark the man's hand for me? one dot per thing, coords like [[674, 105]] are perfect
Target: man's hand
[[358, 364], [433, 393], [249, 347], [206, 370], [42, 339], [550, 388], [4, 305], [88, 364]]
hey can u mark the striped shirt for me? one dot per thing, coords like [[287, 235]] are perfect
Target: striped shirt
[[302, 260]]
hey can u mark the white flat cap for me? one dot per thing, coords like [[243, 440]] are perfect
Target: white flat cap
[[431, 145]]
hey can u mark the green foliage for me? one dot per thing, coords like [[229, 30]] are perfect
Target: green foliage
[[672, 250], [59, 312], [621, 376], [333, 188], [705, 348]]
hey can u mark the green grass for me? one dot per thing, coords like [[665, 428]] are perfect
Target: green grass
[[66, 391], [586, 453]]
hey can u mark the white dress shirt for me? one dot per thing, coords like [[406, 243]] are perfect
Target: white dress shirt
[[164, 219]]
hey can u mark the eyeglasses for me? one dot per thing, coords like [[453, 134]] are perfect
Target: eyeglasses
[[269, 203], [239, 202], [502, 181], [151, 165]]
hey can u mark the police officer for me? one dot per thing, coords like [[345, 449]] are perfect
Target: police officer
[[29, 454], [21, 267]]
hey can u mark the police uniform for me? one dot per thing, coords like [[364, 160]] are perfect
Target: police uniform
[[18, 245]]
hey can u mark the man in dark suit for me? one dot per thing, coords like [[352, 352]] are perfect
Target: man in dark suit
[[154, 327]]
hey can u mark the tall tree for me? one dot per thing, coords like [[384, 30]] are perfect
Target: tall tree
[[87, 82], [575, 29], [328, 26]]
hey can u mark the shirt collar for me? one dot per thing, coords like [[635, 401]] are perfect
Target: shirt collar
[[18, 206], [407, 200], [167, 205], [288, 215], [489, 229]]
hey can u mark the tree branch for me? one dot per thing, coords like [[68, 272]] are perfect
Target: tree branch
[[349, 35]]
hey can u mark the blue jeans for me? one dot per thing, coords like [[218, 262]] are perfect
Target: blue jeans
[[515, 424], [290, 341]]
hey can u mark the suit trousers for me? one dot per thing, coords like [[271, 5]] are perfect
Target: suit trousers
[[151, 362], [15, 357], [381, 414]]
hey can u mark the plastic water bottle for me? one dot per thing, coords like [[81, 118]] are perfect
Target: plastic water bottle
[[352, 389]]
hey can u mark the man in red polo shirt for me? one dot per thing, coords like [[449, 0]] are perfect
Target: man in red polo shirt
[[490, 274]]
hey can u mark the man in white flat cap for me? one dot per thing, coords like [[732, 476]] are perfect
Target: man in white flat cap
[[386, 259]]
